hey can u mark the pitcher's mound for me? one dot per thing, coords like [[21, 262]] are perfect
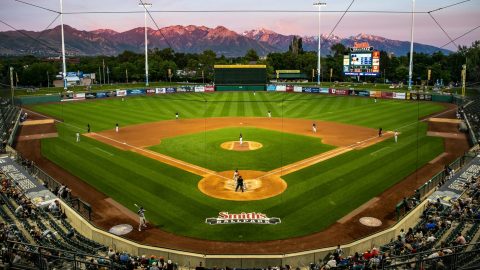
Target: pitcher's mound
[[245, 146], [257, 186]]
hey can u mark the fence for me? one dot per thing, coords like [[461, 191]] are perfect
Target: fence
[[44, 258], [402, 209]]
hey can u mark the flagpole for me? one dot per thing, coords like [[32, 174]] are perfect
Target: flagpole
[[64, 65]]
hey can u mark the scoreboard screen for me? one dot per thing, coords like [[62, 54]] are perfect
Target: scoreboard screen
[[361, 59], [362, 63], [240, 74]]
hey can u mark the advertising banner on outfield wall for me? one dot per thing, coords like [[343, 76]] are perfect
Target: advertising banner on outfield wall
[[135, 92], [420, 96], [199, 88], [399, 95], [79, 96], [121, 93], [387, 94], [281, 88], [297, 89], [362, 93], [271, 87], [102, 94], [32, 188], [311, 90], [90, 95], [170, 90], [340, 92], [209, 88], [150, 91], [289, 88], [454, 188], [324, 90], [160, 90], [376, 94]]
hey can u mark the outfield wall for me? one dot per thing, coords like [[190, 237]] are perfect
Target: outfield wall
[[191, 259]]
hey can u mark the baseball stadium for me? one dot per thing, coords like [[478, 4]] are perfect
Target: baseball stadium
[[243, 171]]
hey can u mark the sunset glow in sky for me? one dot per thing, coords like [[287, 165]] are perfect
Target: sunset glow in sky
[[455, 20]]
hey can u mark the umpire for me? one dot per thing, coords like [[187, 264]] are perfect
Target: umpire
[[239, 183]]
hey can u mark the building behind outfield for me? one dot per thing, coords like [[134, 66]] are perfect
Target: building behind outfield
[[240, 77]]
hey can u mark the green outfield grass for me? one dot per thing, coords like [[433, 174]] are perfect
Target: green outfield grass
[[316, 196], [278, 149]]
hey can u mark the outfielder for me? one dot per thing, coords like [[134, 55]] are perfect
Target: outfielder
[[78, 137], [395, 134], [241, 139], [116, 127], [314, 128], [141, 216]]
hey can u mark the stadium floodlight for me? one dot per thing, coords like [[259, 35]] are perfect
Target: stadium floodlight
[[410, 66], [319, 54], [64, 65], [145, 6]]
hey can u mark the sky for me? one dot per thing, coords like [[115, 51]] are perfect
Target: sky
[[456, 20]]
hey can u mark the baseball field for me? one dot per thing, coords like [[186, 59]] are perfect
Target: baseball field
[[178, 169]]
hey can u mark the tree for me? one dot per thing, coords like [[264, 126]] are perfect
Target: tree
[[251, 56]]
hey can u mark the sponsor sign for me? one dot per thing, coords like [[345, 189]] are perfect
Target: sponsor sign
[[297, 89], [242, 218], [324, 90], [150, 91], [160, 90], [135, 92], [170, 90], [101, 94], [341, 92], [399, 95], [387, 95], [362, 73], [311, 89], [79, 96], [90, 95], [281, 88], [199, 88], [377, 94], [209, 88], [454, 188], [271, 87], [32, 188], [289, 88], [362, 93], [121, 93]]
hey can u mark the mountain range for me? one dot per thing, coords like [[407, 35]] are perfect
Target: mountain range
[[187, 39]]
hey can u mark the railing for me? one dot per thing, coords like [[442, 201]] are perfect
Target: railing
[[401, 209], [44, 258], [461, 256], [83, 208]]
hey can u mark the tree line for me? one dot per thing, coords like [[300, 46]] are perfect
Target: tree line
[[164, 64]]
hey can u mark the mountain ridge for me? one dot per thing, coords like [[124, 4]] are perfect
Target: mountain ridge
[[187, 39]]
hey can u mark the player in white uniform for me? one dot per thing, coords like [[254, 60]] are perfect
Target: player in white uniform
[[269, 114], [395, 134], [176, 115], [235, 177], [241, 139], [116, 127], [78, 137], [142, 220], [314, 128]]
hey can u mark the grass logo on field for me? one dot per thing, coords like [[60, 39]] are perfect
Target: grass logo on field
[[252, 218]]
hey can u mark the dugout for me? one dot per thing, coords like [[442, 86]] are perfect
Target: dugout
[[240, 77]]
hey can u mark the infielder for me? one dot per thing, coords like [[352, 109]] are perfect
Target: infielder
[[142, 220], [269, 114], [314, 128], [380, 132], [176, 115], [116, 127], [78, 137], [395, 134], [241, 139], [88, 128]]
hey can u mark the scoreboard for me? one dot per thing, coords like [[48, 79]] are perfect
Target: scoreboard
[[361, 60], [240, 74]]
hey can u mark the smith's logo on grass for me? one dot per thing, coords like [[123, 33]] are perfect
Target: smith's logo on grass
[[252, 218]]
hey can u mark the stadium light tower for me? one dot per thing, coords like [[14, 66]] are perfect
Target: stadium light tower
[[145, 6], [64, 65], [319, 4], [410, 66]]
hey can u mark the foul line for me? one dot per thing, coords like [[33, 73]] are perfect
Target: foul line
[[100, 149]]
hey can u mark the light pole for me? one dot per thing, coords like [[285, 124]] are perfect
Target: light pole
[[64, 65], [410, 67], [145, 5], [319, 4]]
